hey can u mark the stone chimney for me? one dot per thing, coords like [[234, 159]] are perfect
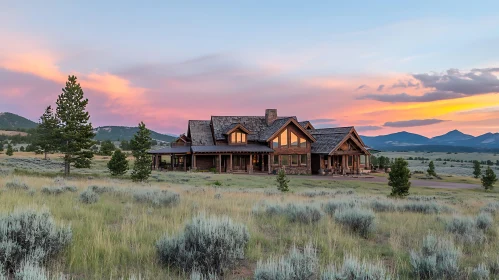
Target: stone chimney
[[270, 115]]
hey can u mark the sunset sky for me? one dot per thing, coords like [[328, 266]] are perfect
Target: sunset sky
[[383, 66]]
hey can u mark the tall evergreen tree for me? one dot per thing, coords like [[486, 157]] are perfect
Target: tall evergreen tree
[[47, 134], [118, 165], [75, 128], [107, 147], [140, 144], [398, 178], [477, 169], [10, 150], [489, 179], [431, 169]]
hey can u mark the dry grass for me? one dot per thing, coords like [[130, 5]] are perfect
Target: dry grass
[[12, 133], [115, 237]]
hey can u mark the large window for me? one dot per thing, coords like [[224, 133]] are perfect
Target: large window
[[303, 160], [294, 140], [284, 139], [275, 160], [285, 160], [303, 142], [294, 159], [238, 137], [275, 142]]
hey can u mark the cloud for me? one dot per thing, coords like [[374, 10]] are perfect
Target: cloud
[[368, 127], [412, 123], [380, 87], [361, 87], [449, 85]]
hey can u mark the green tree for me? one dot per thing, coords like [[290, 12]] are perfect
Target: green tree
[[489, 179], [118, 165], [1, 146], [107, 147], [10, 151], [282, 180], [477, 169], [21, 149], [140, 144], [374, 160], [76, 131], [398, 178], [431, 169], [125, 145], [47, 134]]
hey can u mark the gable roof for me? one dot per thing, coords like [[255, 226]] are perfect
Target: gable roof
[[235, 126], [200, 133], [307, 125], [329, 139], [279, 124], [222, 124]]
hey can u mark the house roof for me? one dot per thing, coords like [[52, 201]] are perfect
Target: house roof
[[235, 126], [326, 143], [250, 148], [200, 133], [172, 150], [254, 124], [332, 130]]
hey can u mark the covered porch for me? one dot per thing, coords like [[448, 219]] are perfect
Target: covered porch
[[346, 163], [176, 158]]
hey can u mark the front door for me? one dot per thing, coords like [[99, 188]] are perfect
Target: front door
[[239, 163]]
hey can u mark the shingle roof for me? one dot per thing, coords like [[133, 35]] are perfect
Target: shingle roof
[[328, 138], [250, 148], [234, 125], [255, 124], [331, 130], [172, 150], [200, 133], [273, 128]]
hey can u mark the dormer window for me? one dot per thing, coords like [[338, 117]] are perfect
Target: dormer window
[[238, 137]]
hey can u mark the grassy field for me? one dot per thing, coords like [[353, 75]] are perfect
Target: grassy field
[[116, 236]]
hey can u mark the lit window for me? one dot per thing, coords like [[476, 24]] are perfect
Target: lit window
[[239, 140], [294, 140], [233, 138], [275, 143], [276, 160], [284, 138], [238, 137], [285, 160], [244, 138], [303, 159], [294, 159], [303, 142]]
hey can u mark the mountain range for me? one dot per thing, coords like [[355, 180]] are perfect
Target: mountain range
[[448, 142], [9, 121]]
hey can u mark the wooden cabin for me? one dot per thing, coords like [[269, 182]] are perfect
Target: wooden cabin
[[264, 144]]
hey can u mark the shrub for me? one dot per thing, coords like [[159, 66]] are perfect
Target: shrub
[[465, 229], [422, 207], [209, 245], [16, 184], [89, 196], [101, 189], [70, 188], [484, 221], [196, 275], [383, 205], [282, 181], [296, 265], [421, 198], [30, 234], [271, 192], [306, 214], [494, 267], [438, 258], [353, 269], [218, 196], [333, 205], [52, 190], [491, 208], [481, 272], [157, 197], [361, 221], [317, 193], [398, 178], [31, 271]]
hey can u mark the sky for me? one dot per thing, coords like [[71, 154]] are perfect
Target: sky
[[426, 67]]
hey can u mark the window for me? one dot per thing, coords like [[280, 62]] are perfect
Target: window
[[350, 160], [275, 143], [275, 160], [284, 139], [294, 140], [285, 160], [303, 160], [303, 142], [294, 159], [238, 137]]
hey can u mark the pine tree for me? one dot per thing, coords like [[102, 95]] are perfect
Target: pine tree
[[47, 134], [10, 151], [477, 169], [140, 144], [282, 181], [398, 178], [431, 169], [118, 165], [489, 179], [75, 128], [107, 147]]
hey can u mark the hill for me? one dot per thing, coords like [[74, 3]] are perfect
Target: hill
[[451, 137], [9, 121], [115, 133]]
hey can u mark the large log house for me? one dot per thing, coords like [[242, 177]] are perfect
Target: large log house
[[264, 144]]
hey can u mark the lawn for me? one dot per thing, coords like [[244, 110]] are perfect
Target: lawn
[[115, 237]]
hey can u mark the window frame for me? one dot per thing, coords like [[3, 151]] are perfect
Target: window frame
[[284, 132], [301, 160], [291, 134], [238, 137], [274, 157], [282, 160], [302, 144], [297, 160]]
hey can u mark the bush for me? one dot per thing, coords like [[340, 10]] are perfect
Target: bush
[[481, 272], [157, 197], [333, 205], [296, 266], [383, 205], [484, 221], [52, 190], [306, 214], [209, 245], [491, 208], [16, 184], [70, 188], [361, 221], [101, 189], [30, 234], [466, 230], [31, 271], [196, 275], [89, 196], [282, 181], [437, 259], [312, 194], [422, 207], [353, 269]]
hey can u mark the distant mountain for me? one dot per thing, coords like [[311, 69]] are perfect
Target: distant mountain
[[451, 141], [115, 133], [9, 121]]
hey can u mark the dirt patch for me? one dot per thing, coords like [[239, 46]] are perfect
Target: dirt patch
[[12, 133]]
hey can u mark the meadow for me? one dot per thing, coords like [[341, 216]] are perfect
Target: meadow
[[115, 237]]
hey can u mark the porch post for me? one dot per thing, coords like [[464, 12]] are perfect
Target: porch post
[[185, 159], [366, 160], [194, 162], [250, 167], [269, 156], [172, 161], [263, 162], [230, 163], [343, 165], [328, 162], [220, 163]]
